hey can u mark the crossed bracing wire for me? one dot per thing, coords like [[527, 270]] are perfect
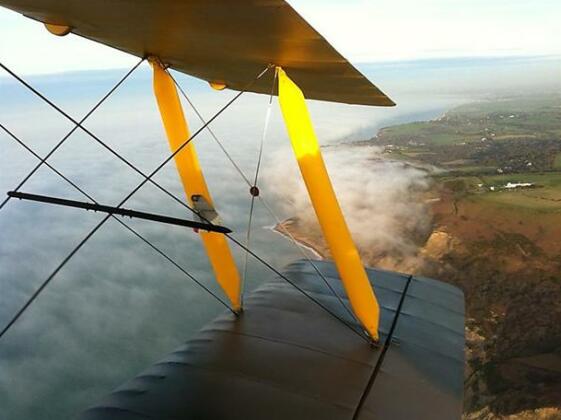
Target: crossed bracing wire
[[148, 178], [260, 197], [119, 220]]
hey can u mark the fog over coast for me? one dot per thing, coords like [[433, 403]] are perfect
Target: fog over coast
[[382, 200], [118, 306]]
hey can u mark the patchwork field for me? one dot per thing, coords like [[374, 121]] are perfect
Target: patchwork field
[[515, 135], [498, 209], [495, 204]]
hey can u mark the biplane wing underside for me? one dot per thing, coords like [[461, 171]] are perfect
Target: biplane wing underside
[[222, 41]]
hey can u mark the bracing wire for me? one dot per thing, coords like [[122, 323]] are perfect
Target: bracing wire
[[302, 291], [123, 201], [210, 130], [205, 125], [254, 189], [74, 128], [309, 260], [119, 156], [126, 226], [264, 203], [174, 197], [243, 247]]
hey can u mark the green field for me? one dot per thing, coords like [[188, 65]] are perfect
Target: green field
[[547, 179], [544, 197], [484, 145], [557, 161], [428, 133], [516, 135], [507, 257]]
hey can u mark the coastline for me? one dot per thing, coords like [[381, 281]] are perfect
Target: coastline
[[499, 249], [284, 228]]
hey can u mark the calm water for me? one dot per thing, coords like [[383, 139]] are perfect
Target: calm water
[[118, 306]]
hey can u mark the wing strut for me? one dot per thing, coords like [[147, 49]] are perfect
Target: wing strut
[[346, 257], [194, 183]]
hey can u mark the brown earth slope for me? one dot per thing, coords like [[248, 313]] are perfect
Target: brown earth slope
[[495, 205], [508, 262]]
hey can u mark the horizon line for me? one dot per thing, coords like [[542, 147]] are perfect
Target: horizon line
[[381, 62]]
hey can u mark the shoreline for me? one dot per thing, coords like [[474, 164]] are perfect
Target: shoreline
[[282, 229], [496, 251]]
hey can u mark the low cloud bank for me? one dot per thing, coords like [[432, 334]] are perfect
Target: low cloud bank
[[383, 201]]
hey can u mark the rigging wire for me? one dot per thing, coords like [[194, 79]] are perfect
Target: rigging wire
[[120, 221], [210, 130], [63, 140], [123, 201], [126, 161], [263, 202], [309, 260], [174, 197], [254, 189], [363, 336]]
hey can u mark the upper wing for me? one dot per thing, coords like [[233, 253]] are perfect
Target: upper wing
[[216, 40]]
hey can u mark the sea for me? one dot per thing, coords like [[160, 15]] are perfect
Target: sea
[[117, 306]]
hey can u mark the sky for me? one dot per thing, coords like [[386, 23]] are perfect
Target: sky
[[362, 30]]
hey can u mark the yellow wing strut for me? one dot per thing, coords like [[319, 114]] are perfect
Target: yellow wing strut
[[346, 257], [194, 184]]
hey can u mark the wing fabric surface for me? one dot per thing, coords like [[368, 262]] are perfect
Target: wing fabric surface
[[285, 358], [221, 41]]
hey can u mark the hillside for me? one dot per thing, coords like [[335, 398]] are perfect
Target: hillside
[[495, 203]]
